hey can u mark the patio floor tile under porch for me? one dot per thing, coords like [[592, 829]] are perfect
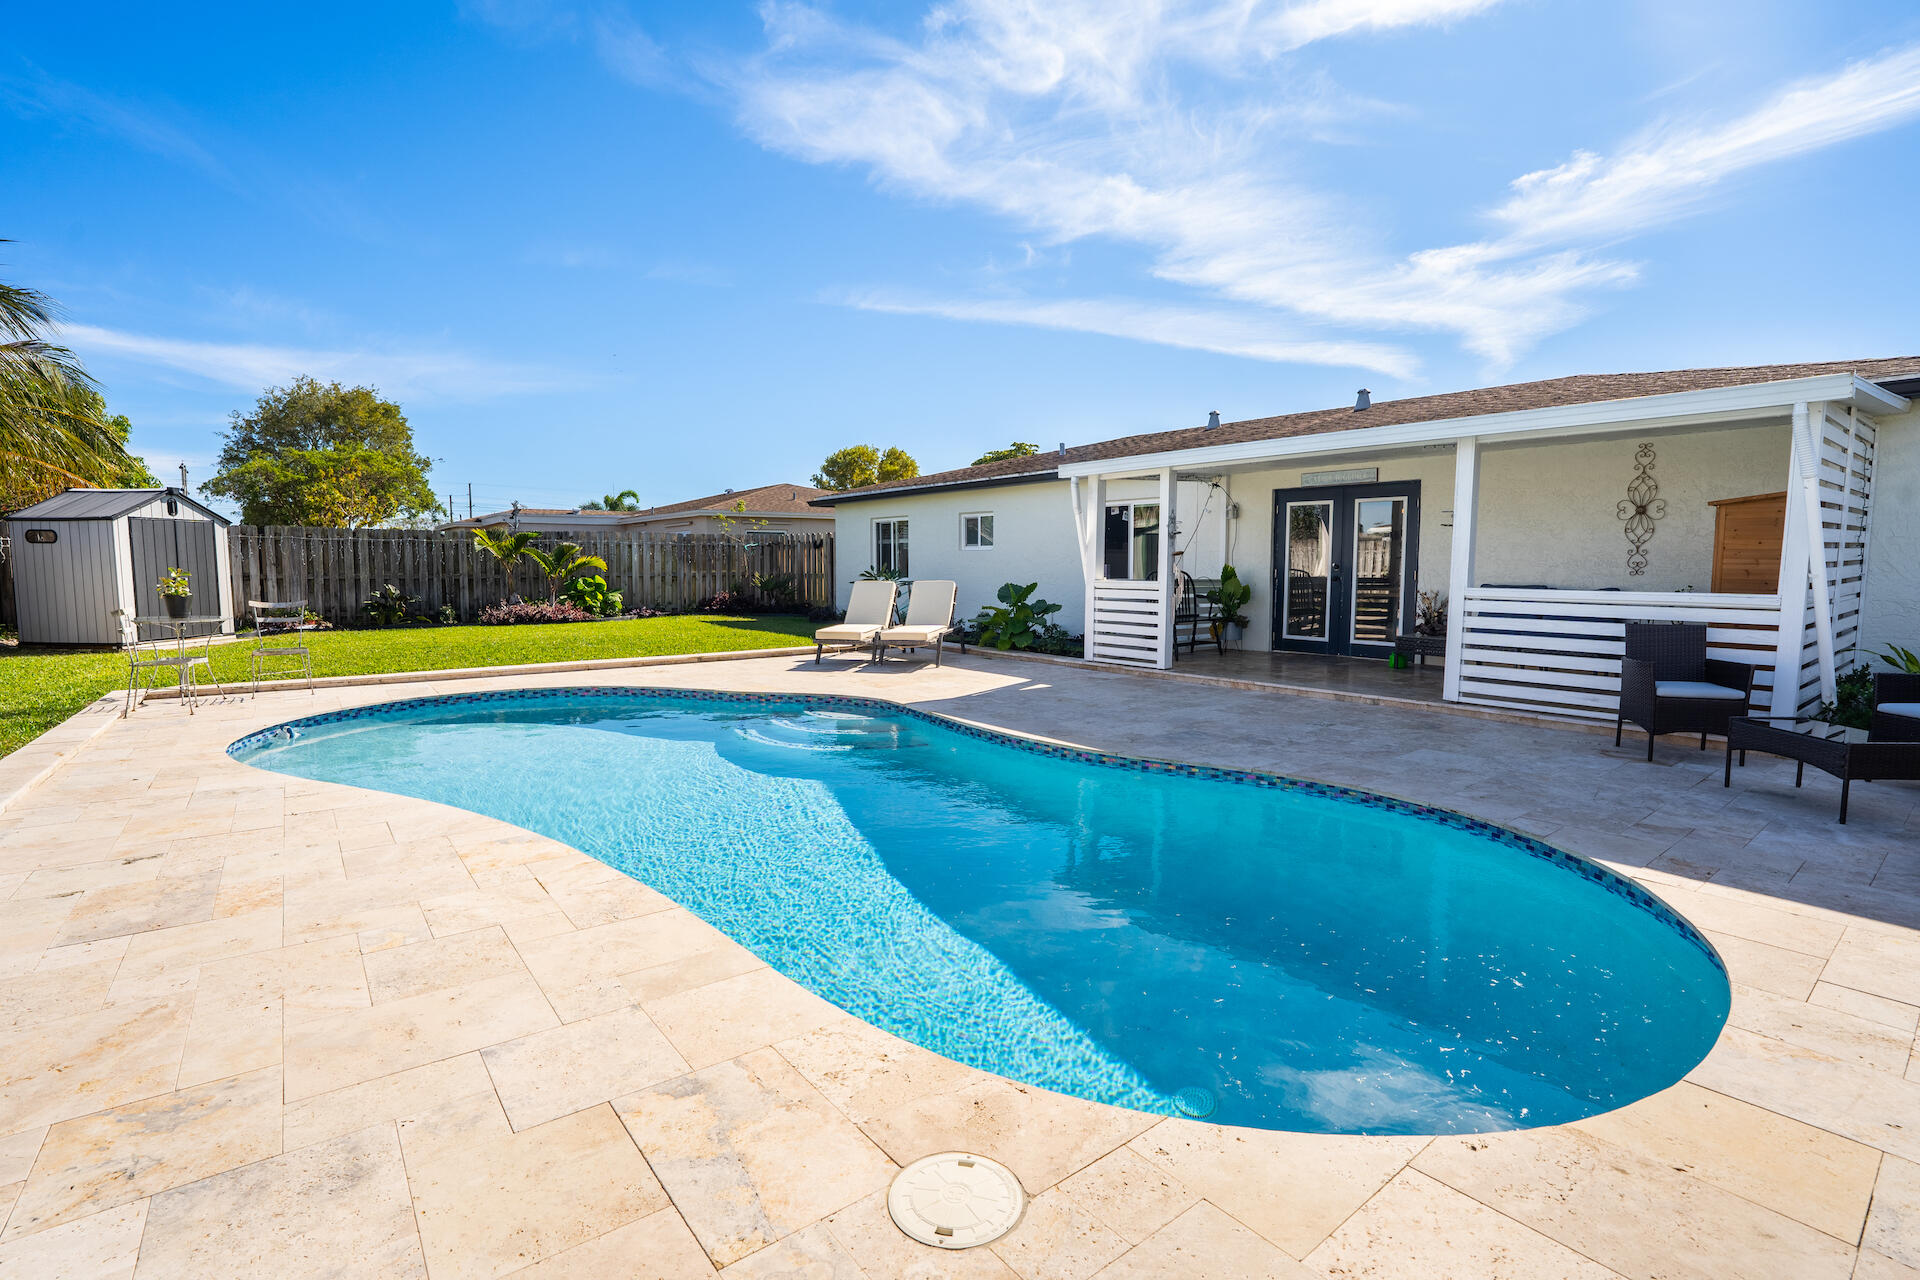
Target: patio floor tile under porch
[[253, 1025]]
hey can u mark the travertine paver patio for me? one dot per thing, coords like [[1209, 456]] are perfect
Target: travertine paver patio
[[254, 1026]]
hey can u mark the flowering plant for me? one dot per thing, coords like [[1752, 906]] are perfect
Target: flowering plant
[[175, 582]]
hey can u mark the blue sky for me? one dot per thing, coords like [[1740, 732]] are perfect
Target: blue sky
[[686, 247]]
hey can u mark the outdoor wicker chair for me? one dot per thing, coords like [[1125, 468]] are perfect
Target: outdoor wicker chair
[[1668, 684], [1896, 697]]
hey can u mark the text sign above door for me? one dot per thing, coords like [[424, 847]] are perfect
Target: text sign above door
[[1352, 475]]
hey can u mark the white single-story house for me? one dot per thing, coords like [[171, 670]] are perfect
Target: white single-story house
[[767, 508], [1778, 504]]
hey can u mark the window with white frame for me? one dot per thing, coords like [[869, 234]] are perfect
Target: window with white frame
[[976, 531], [890, 546]]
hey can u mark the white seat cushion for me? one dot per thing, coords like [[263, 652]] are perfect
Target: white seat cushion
[[1695, 689], [844, 633], [1901, 709], [912, 635]]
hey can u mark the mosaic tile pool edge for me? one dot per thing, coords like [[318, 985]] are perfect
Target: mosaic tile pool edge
[[1611, 881]]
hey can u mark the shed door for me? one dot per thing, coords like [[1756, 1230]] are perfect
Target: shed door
[[160, 544]]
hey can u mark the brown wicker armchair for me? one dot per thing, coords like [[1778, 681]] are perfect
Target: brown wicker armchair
[[1896, 698], [1668, 684]]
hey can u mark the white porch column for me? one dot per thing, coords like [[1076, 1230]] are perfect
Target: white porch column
[[1166, 567], [1096, 523], [1809, 428], [1466, 506]]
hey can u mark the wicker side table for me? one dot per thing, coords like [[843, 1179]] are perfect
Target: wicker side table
[[1864, 755], [1417, 645]]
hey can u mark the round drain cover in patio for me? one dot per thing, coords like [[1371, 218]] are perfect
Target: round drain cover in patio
[[955, 1200]]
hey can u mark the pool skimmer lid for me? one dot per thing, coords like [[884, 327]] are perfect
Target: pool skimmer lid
[[955, 1200]]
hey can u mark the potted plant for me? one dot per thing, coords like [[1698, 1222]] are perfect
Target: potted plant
[[176, 591], [1231, 596]]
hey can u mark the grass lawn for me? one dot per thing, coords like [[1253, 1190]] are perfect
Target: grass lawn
[[40, 688]]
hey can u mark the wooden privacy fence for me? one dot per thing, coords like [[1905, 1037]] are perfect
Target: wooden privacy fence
[[334, 570]]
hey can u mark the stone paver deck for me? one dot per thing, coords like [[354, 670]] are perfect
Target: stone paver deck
[[255, 1026]]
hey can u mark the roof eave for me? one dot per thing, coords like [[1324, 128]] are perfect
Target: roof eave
[[909, 490], [1681, 408]]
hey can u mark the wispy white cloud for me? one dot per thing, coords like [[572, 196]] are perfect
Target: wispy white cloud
[[1070, 121], [423, 375], [1672, 169], [39, 94], [1195, 328]]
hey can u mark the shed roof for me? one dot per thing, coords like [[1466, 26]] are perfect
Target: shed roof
[[106, 504]]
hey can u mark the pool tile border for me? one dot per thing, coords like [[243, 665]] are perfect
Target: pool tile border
[[1611, 881]]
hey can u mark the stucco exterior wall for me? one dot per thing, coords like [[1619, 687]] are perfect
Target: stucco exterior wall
[[1891, 607], [1250, 538], [1033, 541], [1547, 510]]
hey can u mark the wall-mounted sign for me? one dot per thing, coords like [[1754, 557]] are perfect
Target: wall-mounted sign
[[1352, 475]]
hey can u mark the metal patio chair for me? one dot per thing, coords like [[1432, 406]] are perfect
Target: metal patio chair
[[173, 653], [279, 641]]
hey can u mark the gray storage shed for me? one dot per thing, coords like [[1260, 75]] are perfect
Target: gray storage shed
[[82, 554]]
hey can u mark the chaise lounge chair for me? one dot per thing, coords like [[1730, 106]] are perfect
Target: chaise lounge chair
[[929, 619], [869, 609]]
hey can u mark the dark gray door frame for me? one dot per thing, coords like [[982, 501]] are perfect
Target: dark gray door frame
[[1339, 605]]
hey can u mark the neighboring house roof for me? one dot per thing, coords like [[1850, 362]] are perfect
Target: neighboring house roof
[[764, 500], [106, 504], [540, 515], [1550, 393]]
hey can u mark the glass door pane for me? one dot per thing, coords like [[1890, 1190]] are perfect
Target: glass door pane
[[1146, 541], [1116, 543], [1309, 566], [1379, 568]]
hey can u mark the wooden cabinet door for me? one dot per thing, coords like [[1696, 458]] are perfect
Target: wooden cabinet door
[[1746, 543]]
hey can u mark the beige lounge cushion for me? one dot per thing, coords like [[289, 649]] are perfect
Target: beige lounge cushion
[[844, 633], [912, 635], [870, 604]]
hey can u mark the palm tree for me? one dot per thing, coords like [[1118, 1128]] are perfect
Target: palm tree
[[625, 500], [562, 563], [51, 424], [503, 546]]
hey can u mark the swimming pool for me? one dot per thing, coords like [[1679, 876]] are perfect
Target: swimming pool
[[1178, 939]]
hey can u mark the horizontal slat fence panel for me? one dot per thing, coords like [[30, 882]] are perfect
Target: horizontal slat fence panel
[[335, 570], [1558, 652], [1128, 621]]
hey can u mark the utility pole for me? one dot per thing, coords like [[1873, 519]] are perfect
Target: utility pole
[[513, 519], [469, 499], [183, 477]]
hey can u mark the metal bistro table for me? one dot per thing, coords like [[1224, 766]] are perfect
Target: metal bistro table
[[182, 661], [1864, 755]]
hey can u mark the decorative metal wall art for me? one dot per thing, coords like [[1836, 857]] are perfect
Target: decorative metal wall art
[[1642, 507]]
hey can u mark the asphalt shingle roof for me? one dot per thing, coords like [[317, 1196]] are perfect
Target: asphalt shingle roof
[[1550, 393]]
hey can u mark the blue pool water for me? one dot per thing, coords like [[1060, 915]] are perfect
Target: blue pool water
[[1289, 955]]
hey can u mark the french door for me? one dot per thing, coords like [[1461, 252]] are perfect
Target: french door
[[1345, 559]]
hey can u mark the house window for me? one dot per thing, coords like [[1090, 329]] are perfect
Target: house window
[[890, 546], [976, 531], [1133, 541]]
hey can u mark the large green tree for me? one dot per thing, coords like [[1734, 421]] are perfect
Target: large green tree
[[858, 465], [315, 453], [54, 427], [1018, 449]]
